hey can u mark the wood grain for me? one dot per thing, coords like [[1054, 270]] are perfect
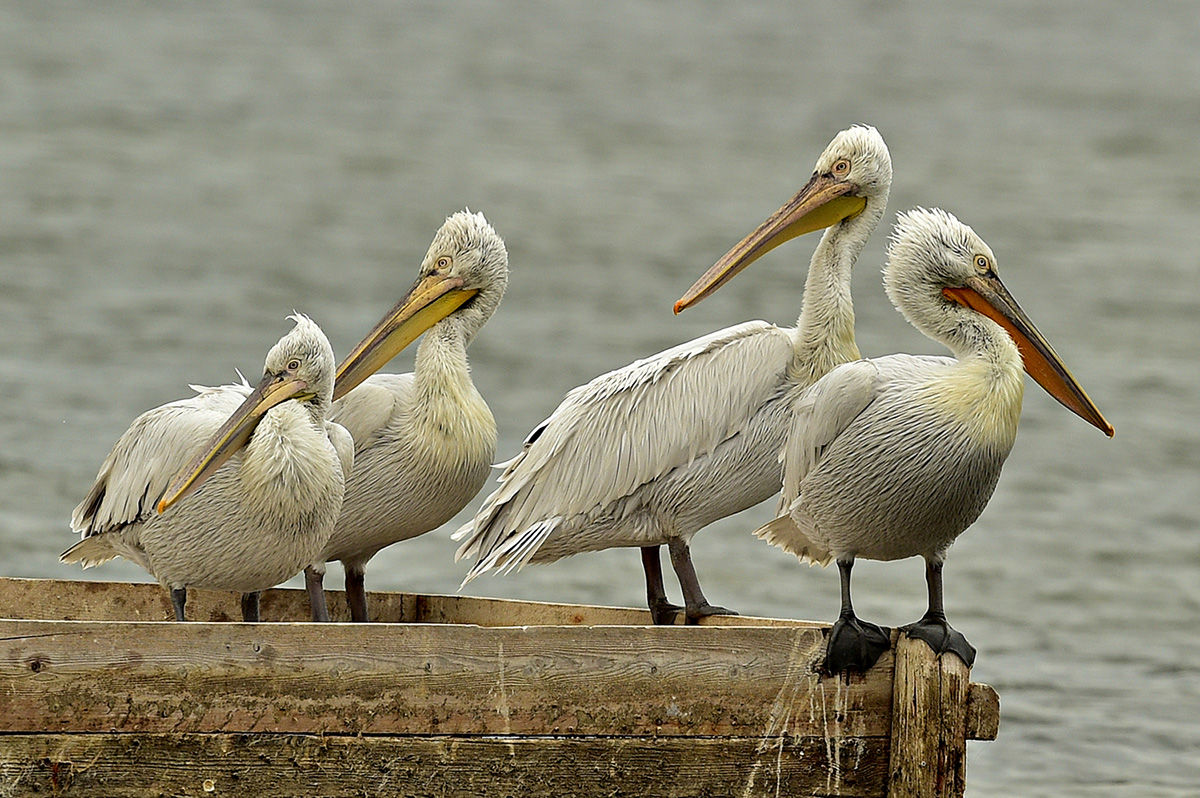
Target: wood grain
[[81, 600], [929, 723], [85, 676], [276, 765]]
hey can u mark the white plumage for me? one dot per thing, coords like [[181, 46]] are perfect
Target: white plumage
[[896, 456], [257, 520], [649, 454], [425, 441]]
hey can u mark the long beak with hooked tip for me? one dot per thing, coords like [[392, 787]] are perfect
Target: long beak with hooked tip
[[822, 203], [430, 300], [987, 295], [234, 434]]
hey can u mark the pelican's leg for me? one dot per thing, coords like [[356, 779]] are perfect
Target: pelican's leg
[[696, 605], [356, 594], [178, 599], [933, 628], [662, 612], [250, 607], [314, 583], [853, 643]]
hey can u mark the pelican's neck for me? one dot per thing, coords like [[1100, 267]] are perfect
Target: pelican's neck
[[825, 329], [441, 362], [318, 410], [447, 414], [985, 387], [980, 342]]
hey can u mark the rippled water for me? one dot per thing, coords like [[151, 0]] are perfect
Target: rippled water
[[175, 180]]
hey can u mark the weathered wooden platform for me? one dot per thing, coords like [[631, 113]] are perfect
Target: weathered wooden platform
[[456, 696]]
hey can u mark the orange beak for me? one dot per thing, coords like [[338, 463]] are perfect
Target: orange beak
[[987, 295]]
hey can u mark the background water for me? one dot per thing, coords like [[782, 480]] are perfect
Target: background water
[[176, 179]]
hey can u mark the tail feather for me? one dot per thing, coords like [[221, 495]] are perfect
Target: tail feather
[[784, 533], [515, 551], [89, 552]]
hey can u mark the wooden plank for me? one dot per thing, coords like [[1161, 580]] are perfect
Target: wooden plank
[[983, 712], [507, 612], [929, 723], [274, 766], [81, 676], [80, 600]]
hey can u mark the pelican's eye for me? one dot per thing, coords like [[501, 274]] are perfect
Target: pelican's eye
[[842, 167], [982, 264], [444, 262], [293, 364]]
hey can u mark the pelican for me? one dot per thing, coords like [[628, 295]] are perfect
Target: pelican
[[246, 526], [894, 457], [653, 452], [424, 442]]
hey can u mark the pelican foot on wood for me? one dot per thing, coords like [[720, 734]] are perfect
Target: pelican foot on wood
[[662, 611], [933, 628], [853, 644], [941, 637], [696, 606]]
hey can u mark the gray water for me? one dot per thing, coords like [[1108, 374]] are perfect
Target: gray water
[[177, 178]]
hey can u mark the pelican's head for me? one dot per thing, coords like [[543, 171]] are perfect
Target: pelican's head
[[847, 192], [304, 355], [463, 276], [942, 277], [298, 368]]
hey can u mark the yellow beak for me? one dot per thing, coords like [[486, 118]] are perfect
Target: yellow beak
[[430, 300], [822, 203], [987, 295], [233, 434]]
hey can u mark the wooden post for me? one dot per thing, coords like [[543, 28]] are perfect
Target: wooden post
[[929, 723]]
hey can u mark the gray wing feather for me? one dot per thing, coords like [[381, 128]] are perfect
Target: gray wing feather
[[145, 459], [366, 410], [821, 413], [624, 429]]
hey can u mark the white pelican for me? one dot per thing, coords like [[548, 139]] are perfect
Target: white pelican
[[424, 442], [653, 452], [253, 523], [894, 457]]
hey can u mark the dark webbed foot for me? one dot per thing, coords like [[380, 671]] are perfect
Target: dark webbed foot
[[663, 612], [694, 614], [941, 637], [855, 645]]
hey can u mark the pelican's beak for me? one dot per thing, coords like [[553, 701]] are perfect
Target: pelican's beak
[[234, 433], [822, 203], [987, 295], [430, 300]]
